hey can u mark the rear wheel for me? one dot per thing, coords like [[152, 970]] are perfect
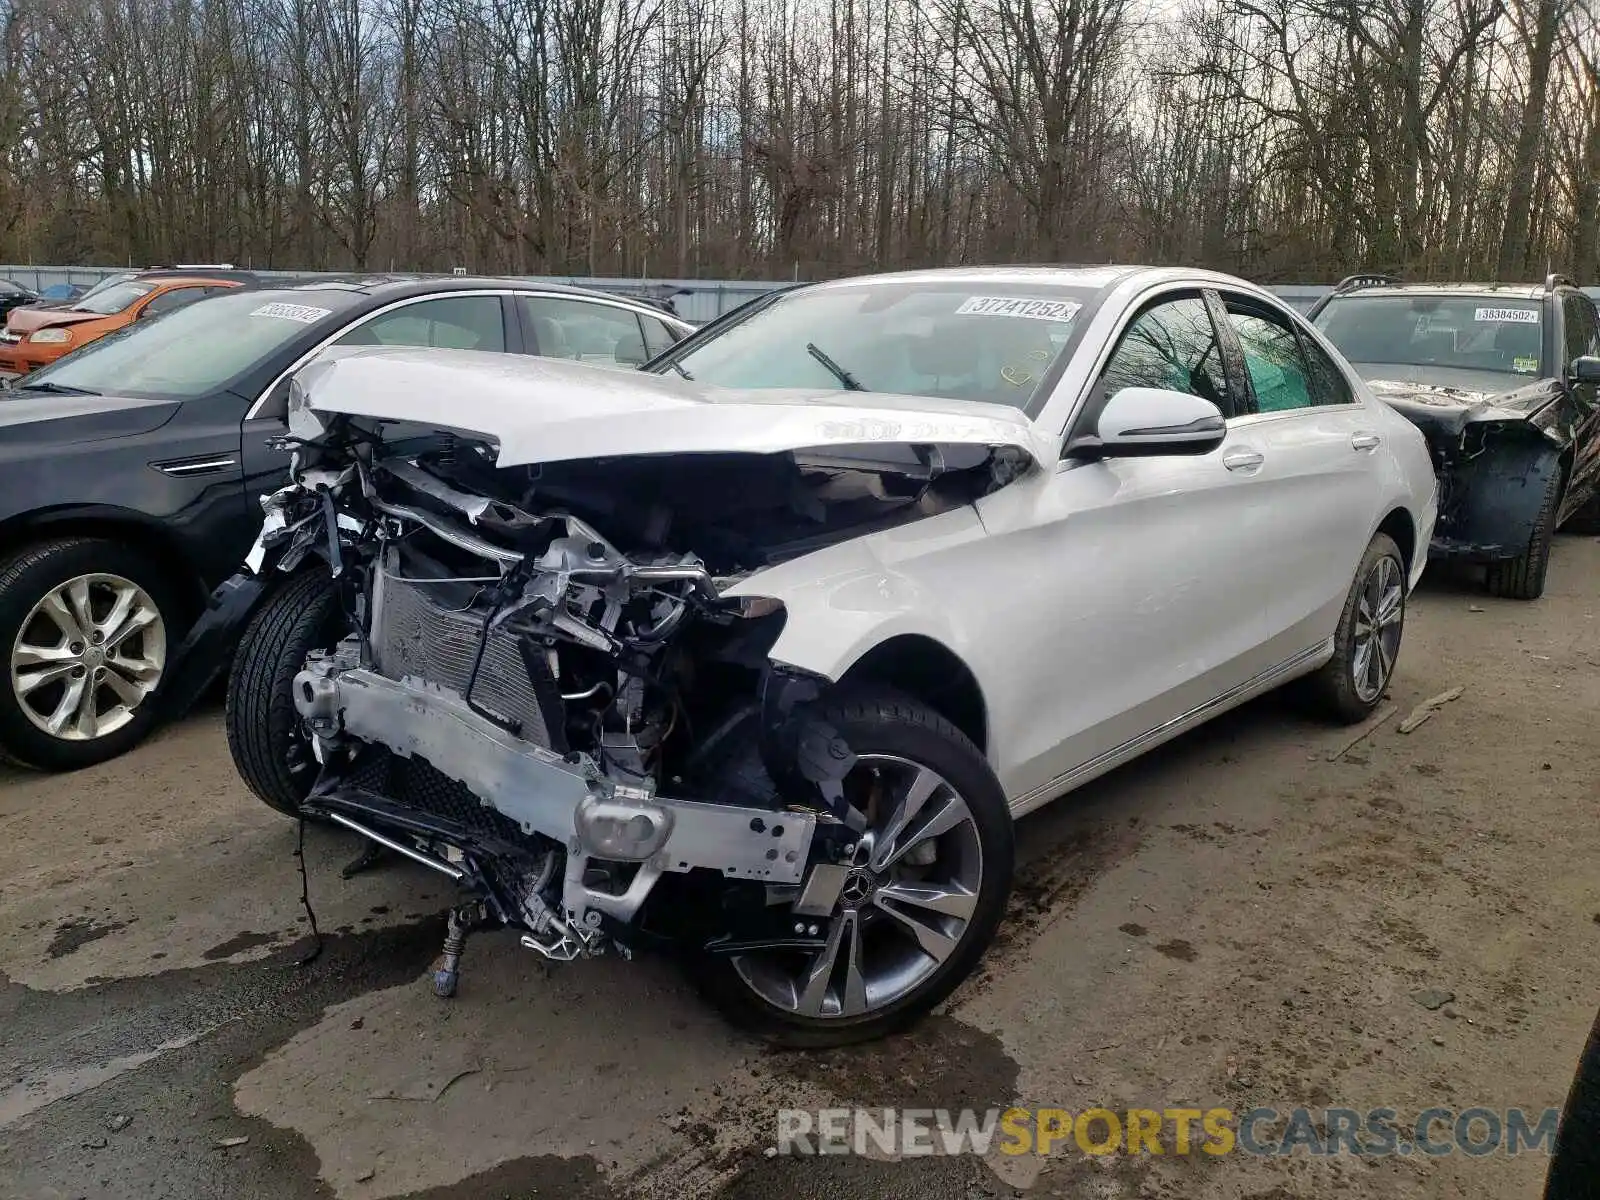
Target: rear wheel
[[1367, 642], [85, 627], [926, 886], [1522, 578], [265, 732]]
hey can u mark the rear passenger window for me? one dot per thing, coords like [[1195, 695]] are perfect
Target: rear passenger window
[[658, 338], [604, 334], [1287, 371]]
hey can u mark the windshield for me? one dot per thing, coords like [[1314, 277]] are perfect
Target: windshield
[[112, 299], [193, 350], [992, 342], [110, 281], [1469, 333]]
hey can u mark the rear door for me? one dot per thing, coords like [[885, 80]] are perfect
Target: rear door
[[1315, 446]]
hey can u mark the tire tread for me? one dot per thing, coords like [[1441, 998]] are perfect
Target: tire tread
[[260, 711]]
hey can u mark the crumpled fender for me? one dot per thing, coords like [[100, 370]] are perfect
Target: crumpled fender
[[1495, 496], [206, 652]]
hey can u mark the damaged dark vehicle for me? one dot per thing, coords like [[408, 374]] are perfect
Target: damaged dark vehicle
[[1504, 381]]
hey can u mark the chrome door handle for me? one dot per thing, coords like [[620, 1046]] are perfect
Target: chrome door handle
[[1365, 441], [1242, 460]]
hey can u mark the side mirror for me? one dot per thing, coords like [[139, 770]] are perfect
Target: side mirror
[[1141, 421], [1586, 369]]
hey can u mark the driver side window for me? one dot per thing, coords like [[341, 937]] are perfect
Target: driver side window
[[1172, 345]]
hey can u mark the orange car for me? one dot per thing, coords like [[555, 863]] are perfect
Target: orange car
[[36, 337]]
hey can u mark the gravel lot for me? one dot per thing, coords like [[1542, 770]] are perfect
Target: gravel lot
[[1238, 919]]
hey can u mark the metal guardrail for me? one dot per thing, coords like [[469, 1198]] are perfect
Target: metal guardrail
[[697, 300]]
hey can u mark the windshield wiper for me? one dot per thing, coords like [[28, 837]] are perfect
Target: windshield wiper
[[849, 381], [55, 389], [678, 367]]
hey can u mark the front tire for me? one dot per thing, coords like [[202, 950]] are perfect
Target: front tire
[[927, 890], [86, 626], [1522, 578], [265, 733], [1366, 643]]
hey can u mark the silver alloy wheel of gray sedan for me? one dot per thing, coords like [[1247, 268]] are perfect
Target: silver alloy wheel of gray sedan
[[915, 873], [90, 652], [1380, 611]]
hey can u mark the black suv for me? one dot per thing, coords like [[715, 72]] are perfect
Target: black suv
[[130, 472], [1504, 381]]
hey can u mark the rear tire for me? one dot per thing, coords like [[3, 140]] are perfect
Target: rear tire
[[265, 734], [36, 683], [1522, 578], [1351, 684], [896, 729]]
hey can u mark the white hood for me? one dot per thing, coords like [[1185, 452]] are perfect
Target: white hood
[[547, 409]]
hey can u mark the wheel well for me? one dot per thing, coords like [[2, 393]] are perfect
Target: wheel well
[[1399, 526], [921, 667], [149, 539]]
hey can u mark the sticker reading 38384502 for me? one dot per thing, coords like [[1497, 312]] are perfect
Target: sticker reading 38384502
[[1012, 306], [1524, 316], [304, 313]]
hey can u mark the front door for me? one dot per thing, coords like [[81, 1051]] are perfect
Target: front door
[[1156, 587]]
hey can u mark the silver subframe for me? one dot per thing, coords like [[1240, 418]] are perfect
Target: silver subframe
[[544, 793]]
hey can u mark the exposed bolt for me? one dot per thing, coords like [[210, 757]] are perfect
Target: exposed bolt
[[76, 647], [96, 637], [78, 672], [850, 849]]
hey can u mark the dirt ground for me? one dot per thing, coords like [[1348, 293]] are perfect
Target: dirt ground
[[1240, 919]]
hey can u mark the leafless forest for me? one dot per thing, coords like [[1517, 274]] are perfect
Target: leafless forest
[[1283, 139]]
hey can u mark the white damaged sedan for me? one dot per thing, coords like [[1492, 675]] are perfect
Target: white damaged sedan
[[759, 653]]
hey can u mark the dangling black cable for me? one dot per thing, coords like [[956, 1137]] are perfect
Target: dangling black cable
[[305, 898]]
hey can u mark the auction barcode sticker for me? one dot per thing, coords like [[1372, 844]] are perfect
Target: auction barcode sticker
[[1525, 316], [304, 313], [1011, 306]]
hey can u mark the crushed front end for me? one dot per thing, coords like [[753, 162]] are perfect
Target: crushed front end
[[1494, 457]]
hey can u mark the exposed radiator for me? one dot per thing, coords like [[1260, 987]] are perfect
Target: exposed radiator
[[427, 631]]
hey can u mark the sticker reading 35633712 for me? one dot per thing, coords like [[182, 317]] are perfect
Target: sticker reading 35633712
[[1524, 316], [304, 313], [1012, 306]]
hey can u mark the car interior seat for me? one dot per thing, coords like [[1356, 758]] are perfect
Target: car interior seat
[[550, 338]]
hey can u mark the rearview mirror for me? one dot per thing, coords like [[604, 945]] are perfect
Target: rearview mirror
[[1586, 369], [1140, 421]]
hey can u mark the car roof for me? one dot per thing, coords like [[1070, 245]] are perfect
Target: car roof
[[1067, 276], [400, 286], [1515, 291], [171, 281]]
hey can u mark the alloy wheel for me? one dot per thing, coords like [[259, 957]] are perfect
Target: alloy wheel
[[909, 898], [87, 655], [1380, 612]]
